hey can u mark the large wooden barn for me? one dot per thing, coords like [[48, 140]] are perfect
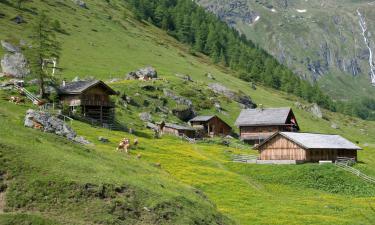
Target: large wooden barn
[[306, 147], [90, 98], [211, 126], [256, 125], [177, 130]]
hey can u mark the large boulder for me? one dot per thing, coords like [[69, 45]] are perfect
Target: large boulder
[[180, 100], [15, 65], [243, 99], [80, 3], [184, 113], [51, 124], [145, 116], [315, 110], [143, 74]]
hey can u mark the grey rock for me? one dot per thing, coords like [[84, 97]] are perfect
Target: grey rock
[[238, 97], [9, 47], [180, 100], [184, 113], [81, 140], [81, 3], [51, 124], [15, 65], [315, 110], [18, 19], [143, 73], [210, 76], [335, 126], [145, 116], [103, 139]]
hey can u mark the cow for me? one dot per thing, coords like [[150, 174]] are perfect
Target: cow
[[124, 145], [16, 100]]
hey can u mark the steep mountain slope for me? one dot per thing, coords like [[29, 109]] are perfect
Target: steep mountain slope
[[51, 180], [319, 40]]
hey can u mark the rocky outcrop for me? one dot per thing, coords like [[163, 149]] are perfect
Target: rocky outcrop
[[51, 124], [184, 113], [80, 3], [143, 74], [315, 110], [14, 63], [238, 97], [145, 116], [179, 100]]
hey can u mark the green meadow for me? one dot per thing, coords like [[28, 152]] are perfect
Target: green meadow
[[50, 180]]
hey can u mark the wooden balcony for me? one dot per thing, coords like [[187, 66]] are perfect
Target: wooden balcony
[[91, 102]]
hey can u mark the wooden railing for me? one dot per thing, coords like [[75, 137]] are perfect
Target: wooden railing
[[244, 158], [96, 102], [342, 164]]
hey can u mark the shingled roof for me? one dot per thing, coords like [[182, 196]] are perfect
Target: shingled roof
[[178, 127], [316, 141], [268, 116], [201, 118], [77, 87]]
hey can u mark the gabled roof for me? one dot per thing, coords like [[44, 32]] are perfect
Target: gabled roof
[[77, 87], [201, 118], [315, 141], [268, 116], [178, 127]]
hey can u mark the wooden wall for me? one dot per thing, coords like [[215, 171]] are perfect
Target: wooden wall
[[172, 131], [215, 126], [280, 148]]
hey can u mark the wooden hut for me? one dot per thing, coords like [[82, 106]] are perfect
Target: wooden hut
[[256, 125], [211, 125], [177, 130], [306, 147], [90, 98]]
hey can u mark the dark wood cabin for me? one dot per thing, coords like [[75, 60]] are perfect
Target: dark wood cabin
[[211, 126], [90, 98], [256, 125], [177, 130], [306, 147]]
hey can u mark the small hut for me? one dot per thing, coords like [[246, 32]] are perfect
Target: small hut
[[90, 98], [306, 147], [256, 125], [177, 130], [211, 125]]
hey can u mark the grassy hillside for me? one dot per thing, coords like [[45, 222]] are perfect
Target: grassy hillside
[[51, 180]]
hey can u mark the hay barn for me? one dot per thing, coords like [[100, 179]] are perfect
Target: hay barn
[[306, 147], [256, 125], [177, 130], [210, 126], [90, 98]]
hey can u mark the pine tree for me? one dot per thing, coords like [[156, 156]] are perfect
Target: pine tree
[[44, 46]]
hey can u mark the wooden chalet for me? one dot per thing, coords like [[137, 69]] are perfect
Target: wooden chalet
[[177, 130], [90, 98], [306, 147], [256, 125], [211, 125]]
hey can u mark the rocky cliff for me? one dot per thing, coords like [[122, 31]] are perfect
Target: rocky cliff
[[319, 40]]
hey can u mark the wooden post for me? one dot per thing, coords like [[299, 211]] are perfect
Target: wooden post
[[101, 114]]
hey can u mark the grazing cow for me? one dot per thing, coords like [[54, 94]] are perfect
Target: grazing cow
[[16, 100], [124, 145], [136, 143]]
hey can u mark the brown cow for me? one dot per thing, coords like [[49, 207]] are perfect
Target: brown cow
[[124, 145], [16, 100]]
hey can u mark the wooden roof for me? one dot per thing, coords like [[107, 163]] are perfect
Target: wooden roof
[[262, 117], [178, 127], [315, 141], [78, 87]]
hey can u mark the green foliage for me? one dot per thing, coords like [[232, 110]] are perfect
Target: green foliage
[[191, 24], [44, 46]]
